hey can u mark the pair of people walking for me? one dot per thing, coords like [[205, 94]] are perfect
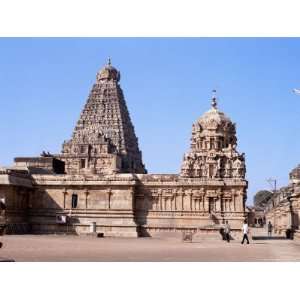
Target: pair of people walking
[[245, 231]]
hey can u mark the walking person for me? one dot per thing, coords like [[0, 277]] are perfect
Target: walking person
[[2, 218], [245, 231], [270, 229], [227, 232]]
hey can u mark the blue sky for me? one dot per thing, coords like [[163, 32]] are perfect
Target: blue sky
[[167, 83]]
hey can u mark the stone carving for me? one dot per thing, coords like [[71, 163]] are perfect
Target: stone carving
[[213, 151]]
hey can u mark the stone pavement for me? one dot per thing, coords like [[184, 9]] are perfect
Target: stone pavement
[[82, 248]]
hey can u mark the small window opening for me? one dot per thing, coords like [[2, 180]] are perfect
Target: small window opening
[[74, 200], [82, 163]]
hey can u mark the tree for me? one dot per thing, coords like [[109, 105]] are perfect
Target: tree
[[261, 198]]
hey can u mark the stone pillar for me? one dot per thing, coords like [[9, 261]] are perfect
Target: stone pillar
[[239, 199], [64, 197], [175, 199], [160, 200], [132, 195], [221, 200], [191, 199], [234, 208], [218, 203], [157, 203], [181, 193], [206, 204], [202, 201], [154, 202], [86, 192], [165, 202]]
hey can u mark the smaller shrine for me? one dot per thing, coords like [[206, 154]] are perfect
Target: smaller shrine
[[213, 152]]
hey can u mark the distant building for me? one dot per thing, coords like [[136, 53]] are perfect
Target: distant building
[[283, 209], [256, 213], [255, 216], [99, 182]]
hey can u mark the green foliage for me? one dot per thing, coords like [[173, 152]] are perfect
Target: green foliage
[[261, 198]]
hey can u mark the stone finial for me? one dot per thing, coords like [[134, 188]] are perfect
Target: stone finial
[[109, 61], [214, 99]]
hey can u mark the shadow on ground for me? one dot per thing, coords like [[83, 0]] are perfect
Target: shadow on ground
[[269, 238], [6, 259]]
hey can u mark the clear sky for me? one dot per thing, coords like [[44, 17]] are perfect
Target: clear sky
[[167, 83]]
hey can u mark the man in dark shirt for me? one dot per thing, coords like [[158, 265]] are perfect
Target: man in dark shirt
[[227, 232], [270, 228]]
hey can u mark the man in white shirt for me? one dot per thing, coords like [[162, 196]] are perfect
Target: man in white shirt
[[245, 231]]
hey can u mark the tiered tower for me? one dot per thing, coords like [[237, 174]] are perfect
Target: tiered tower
[[103, 141], [213, 151]]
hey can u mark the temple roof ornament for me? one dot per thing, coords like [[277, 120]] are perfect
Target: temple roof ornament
[[214, 99], [108, 73], [213, 116]]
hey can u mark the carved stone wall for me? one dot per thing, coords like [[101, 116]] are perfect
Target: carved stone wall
[[129, 205], [170, 202], [15, 192]]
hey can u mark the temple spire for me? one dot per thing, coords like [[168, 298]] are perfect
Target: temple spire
[[214, 99], [104, 140]]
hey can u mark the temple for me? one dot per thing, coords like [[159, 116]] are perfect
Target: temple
[[99, 178]]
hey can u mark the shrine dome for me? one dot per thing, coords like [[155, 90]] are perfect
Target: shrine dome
[[108, 72], [213, 116]]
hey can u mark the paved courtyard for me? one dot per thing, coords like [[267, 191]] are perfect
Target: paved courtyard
[[82, 248]]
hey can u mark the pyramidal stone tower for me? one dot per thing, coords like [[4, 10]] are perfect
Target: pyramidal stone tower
[[103, 141]]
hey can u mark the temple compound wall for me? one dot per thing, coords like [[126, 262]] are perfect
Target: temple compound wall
[[15, 192], [124, 205], [99, 181], [283, 209]]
